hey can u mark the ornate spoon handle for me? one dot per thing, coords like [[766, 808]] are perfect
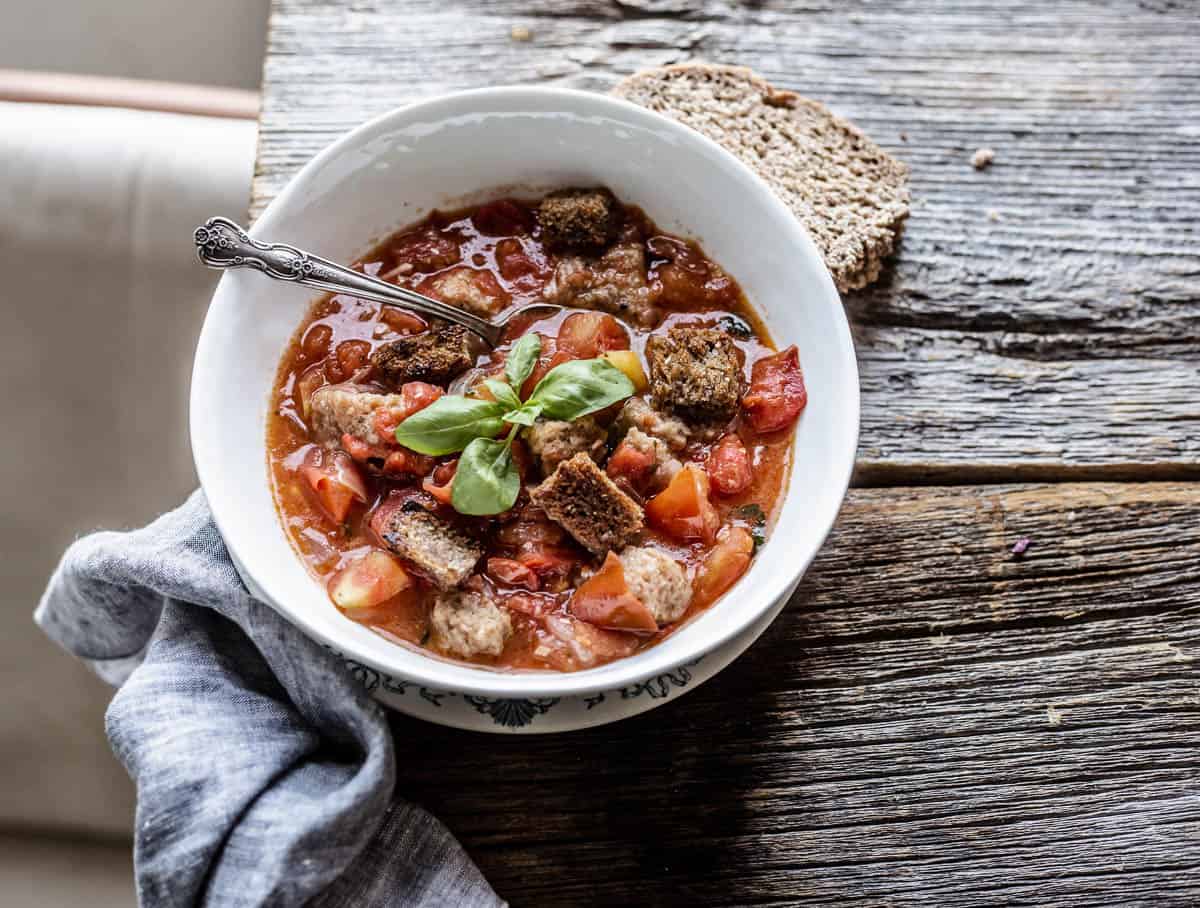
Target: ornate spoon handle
[[222, 243]]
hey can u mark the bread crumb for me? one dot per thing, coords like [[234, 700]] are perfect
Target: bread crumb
[[982, 158], [520, 33], [993, 215], [1053, 717]]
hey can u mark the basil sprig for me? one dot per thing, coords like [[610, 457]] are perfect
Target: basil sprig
[[487, 480]]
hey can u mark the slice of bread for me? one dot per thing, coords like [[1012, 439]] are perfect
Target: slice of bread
[[850, 194]]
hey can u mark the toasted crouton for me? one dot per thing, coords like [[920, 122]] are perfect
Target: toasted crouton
[[579, 218], [640, 414], [436, 356], [348, 409], [613, 282], [469, 624], [552, 441], [695, 373], [437, 550], [588, 505], [659, 581]]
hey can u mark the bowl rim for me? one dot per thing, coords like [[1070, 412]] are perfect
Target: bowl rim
[[447, 675]]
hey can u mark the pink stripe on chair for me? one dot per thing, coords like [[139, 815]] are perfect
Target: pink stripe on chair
[[104, 91]]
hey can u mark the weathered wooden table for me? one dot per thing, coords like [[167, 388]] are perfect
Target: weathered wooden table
[[931, 720]]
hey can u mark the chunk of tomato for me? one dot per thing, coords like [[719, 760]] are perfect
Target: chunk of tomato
[[510, 572], [524, 268], [585, 335], [604, 600], [368, 581], [546, 361], [630, 463], [335, 482], [405, 462], [723, 565], [682, 509], [777, 393], [426, 250], [414, 396], [547, 560], [728, 466], [502, 218]]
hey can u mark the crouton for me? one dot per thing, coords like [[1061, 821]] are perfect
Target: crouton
[[695, 373], [640, 414], [437, 550], [584, 502], [614, 282], [552, 441], [469, 624], [658, 580], [348, 409], [437, 357], [579, 218]]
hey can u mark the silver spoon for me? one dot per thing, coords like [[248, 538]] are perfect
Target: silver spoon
[[222, 243]]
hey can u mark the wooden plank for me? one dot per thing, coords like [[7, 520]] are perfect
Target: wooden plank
[[1041, 320], [930, 720]]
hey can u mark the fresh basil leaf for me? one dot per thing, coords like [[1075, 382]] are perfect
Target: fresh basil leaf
[[503, 393], [486, 481], [523, 416], [449, 424], [579, 387], [521, 359]]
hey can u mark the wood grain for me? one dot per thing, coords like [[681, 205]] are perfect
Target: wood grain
[[930, 720], [1042, 320]]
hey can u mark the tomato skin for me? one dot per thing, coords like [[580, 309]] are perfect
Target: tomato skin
[[728, 466], [549, 560], [402, 322], [524, 268], [682, 509], [630, 463], [585, 335], [723, 565], [417, 395], [414, 396], [426, 250], [605, 601], [314, 346], [335, 483], [404, 462], [512, 573], [306, 386], [777, 394], [546, 362], [439, 481], [349, 357]]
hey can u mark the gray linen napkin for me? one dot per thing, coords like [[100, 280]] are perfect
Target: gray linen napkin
[[264, 772]]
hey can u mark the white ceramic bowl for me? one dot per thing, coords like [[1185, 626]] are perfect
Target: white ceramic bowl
[[469, 146]]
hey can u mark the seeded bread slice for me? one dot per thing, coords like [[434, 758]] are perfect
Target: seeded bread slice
[[850, 194]]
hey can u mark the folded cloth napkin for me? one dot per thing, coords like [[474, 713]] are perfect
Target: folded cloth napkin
[[264, 772]]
